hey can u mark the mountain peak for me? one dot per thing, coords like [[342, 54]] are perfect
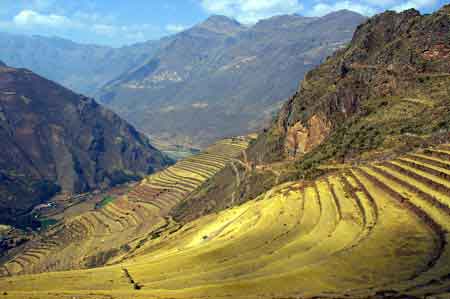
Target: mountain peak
[[343, 13], [221, 19], [2, 64], [221, 24], [282, 21]]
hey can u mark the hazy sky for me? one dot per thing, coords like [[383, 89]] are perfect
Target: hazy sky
[[121, 22]]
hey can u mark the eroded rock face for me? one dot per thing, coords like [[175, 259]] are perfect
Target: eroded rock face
[[54, 139], [301, 139]]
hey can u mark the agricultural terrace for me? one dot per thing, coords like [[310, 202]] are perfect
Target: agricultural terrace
[[119, 227], [379, 230]]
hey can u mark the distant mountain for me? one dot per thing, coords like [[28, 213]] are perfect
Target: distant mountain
[[216, 79], [83, 68], [221, 78], [53, 139]]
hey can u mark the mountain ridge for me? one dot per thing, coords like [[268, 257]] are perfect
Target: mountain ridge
[[81, 67]]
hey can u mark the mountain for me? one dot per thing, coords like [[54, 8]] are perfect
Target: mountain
[[221, 78], [385, 93], [56, 140], [84, 68]]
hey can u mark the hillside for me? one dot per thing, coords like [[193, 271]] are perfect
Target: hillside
[[379, 230], [80, 67], [385, 93], [55, 140], [197, 76]]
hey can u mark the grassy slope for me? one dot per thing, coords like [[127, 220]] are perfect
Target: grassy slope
[[378, 229]]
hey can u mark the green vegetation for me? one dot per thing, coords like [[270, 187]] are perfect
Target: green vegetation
[[385, 126], [105, 201], [46, 223]]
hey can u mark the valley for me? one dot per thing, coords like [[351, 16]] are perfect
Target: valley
[[94, 233], [343, 194]]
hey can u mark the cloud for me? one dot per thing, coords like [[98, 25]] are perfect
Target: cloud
[[82, 23], [33, 18], [175, 28], [250, 11], [368, 7]]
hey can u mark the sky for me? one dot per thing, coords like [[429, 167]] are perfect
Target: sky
[[123, 22]]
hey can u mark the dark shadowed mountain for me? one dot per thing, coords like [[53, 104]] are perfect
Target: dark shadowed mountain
[[53, 139], [221, 78]]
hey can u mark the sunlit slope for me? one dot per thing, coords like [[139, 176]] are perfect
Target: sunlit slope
[[110, 233], [375, 230]]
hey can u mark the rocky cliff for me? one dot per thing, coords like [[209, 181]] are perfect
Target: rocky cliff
[[54, 139], [387, 90]]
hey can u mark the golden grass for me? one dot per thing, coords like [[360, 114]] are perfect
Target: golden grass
[[357, 233]]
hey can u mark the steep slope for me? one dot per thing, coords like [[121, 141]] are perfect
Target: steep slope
[[54, 139], [80, 67], [386, 92], [197, 77], [378, 230]]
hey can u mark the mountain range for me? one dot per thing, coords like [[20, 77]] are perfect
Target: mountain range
[[79, 67], [195, 76]]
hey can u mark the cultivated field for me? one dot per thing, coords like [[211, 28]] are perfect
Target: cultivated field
[[378, 230], [121, 227]]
